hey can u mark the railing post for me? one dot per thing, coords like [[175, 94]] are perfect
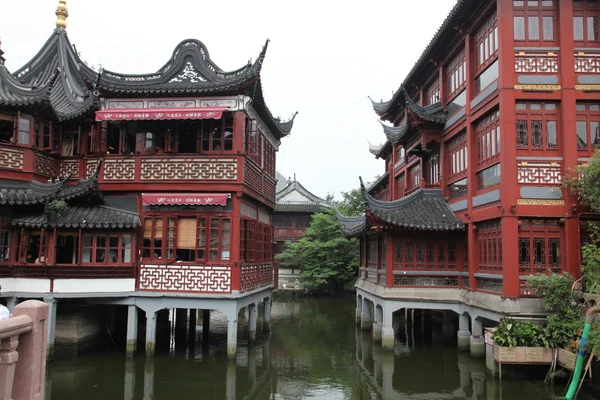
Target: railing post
[[8, 360], [235, 277], [30, 373]]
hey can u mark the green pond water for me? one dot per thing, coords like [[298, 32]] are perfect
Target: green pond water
[[314, 351]]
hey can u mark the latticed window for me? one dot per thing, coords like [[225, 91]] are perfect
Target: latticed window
[[537, 126], [539, 246], [432, 92], [456, 74], [401, 184], [488, 138], [534, 21], [457, 156], [486, 43], [489, 246], [5, 241], [588, 126], [414, 176], [372, 254], [585, 22], [433, 169], [425, 254]]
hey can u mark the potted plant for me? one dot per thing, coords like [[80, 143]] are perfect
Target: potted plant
[[522, 342]]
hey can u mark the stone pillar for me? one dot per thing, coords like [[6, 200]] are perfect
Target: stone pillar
[[30, 371], [52, 304], [230, 381], [11, 302], [267, 352], [267, 314], [252, 317], [192, 327], [150, 333], [366, 321], [129, 389], [477, 342], [358, 309], [132, 330], [232, 325], [378, 324], [463, 334], [387, 331], [252, 365]]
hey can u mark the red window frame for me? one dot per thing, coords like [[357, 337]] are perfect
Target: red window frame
[[489, 246], [588, 118], [457, 157], [486, 43], [21, 246], [537, 128], [414, 176], [426, 255], [101, 246], [456, 74], [539, 246], [432, 168], [401, 185], [432, 92], [24, 132], [530, 12], [588, 13], [487, 129]]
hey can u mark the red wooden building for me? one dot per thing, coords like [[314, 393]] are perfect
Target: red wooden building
[[168, 178], [500, 105]]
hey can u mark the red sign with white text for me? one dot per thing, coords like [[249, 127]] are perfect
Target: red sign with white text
[[128, 114], [203, 199]]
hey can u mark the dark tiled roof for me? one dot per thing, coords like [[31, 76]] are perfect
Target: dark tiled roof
[[298, 195], [191, 71], [395, 133], [382, 180], [379, 151], [424, 209], [17, 193], [435, 113], [352, 226], [55, 75], [305, 208], [92, 217], [444, 35]]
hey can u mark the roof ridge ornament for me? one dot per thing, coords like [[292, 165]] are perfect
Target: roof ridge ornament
[[61, 14]]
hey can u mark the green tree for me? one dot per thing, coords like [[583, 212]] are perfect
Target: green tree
[[352, 204], [328, 261]]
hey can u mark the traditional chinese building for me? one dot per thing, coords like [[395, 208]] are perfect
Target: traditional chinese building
[[500, 105], [293, 211], [150, 191]]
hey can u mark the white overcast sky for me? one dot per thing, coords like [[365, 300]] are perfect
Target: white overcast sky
[[325, 57]]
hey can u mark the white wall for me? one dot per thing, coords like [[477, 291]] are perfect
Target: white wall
[[94, 285], [29, 285]]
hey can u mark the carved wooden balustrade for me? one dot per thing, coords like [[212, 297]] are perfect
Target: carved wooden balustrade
[[23, 352], [255, 275]]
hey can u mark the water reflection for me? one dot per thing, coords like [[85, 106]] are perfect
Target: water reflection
[[313, 351]]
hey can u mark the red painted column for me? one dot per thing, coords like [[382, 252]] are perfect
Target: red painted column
[[390, 259], [508, 155], [234, 256], [239, 128], [570, 241]]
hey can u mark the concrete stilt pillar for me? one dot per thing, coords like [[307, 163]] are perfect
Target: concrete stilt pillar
[[267, 352], [11, 302], [388, 376], [150, 333], [378, 324], [252, 365], [377, 362], [181, 322], [149, 378], [51, 327], [132, 330], [252, 317], [232, 325], [477, 342], [267, 314], [366, 322], [463, 336], [206, 325], [230, 382], [129, 389], [387, 330]]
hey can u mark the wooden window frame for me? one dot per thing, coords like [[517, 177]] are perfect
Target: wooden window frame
[[432, 92], [6, 248], [541, 10], [485, 44], [590, 114], [546, 232], [487, 130], [458, 163], [456, 75], [529, 120], [17, 130], [583, 9], [489, 246], [21, 251], [107, 248]]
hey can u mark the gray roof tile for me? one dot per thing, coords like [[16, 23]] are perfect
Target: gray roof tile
[[91, 217]]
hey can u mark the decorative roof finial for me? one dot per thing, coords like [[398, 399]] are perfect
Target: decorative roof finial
[[61, 14]]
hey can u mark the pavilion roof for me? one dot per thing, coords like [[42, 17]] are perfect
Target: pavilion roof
[[460, 13], [422, 210], [95, 217], [16, 193], [296, 198]]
